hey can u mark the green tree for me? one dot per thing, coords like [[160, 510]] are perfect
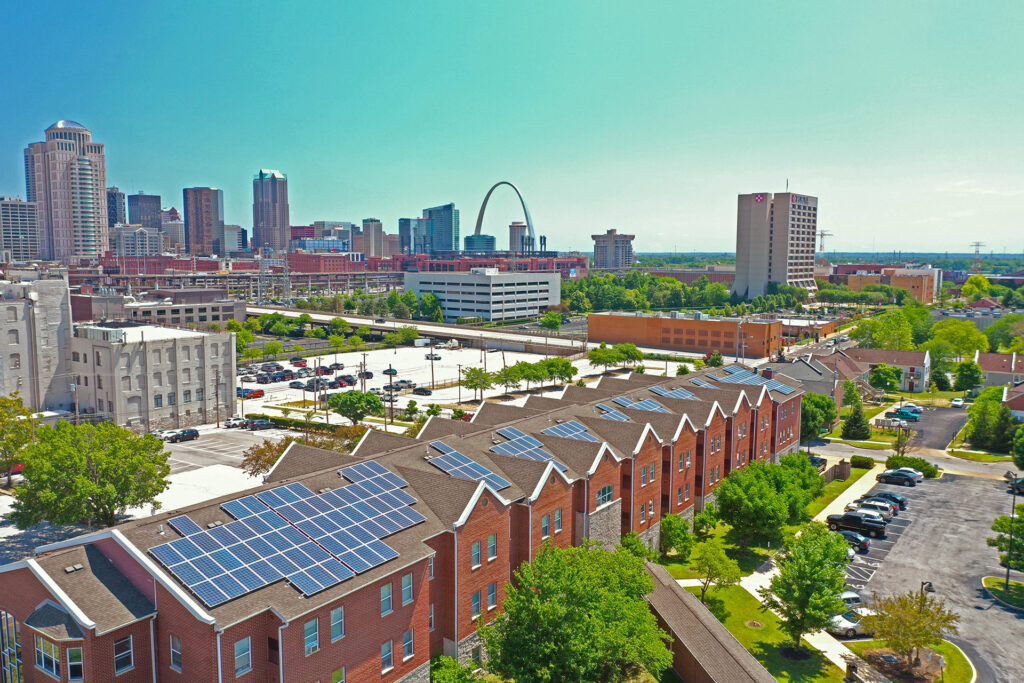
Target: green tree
[[1018, 448], [577, 614], [251, 353], [969, 376], [1003, 431], [713, 567], [603, 357], [430, 307], [355, 405], [433, 409], [273, 348], [628, 353], [552, 320], [885, 377], [891, 330], [817, 411], [15, 433], [411, 410], [364, 331], [354, 342], [855, 426], [448, 670], [676, 537], [812, 575], [508, 377], [477, 379], [634, 544], [1002, 332], [850, 393], [579, 303], [392, 339], [1011, 556], [337, 342], [749, 502], [909, 621], [705, 521], [682, 369], [976, 287], [962, 336], [339, 326], [716, 360], [88, 473], [407, 334]]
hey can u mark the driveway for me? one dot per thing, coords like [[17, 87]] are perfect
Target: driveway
[[938, 426], [945, 544]]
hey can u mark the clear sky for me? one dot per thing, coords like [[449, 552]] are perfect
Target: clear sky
[[905, 118]]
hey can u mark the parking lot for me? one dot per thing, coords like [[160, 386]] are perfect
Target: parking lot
[[216, 447], [941, 538], [938, 426]]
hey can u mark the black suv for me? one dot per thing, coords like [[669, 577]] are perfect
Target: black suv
[[256, 425], [891, 497], [854, 521], [896, 477], [185, 435], [856, 541]]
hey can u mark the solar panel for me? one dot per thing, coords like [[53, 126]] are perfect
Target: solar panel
[[522, 445], [612, 413], [674, 393], [373, 471], [570, 430], [184, 526], [648, 404], [702, 383], [458, 465], [738, 375]]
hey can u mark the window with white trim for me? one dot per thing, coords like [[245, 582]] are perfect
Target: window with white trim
[[643, 476], [475, 604], [408, 644], [430, 567], [338, 676], [337, 623], [492, 546], [431, 616], [679, 496], [243, 656], [651, 476], [545, 526], [492, 595], [385, 599], [311, 636], [387, 658], [558, 520], [76, 664], [176, 653], [475, 554], [604, 495], [48, 656], [643, 513], [124, 657], [407, 589]]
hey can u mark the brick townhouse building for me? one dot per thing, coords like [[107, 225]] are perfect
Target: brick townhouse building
[[391, 555]]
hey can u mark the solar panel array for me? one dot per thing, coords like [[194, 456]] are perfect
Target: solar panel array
[[702, 383], [314, 541], [612, 414], [570, 430], [674, 393], [648, 404], [458, 465], [737, 375], [522, 445]]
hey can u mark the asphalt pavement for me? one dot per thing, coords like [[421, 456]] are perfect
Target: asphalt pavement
[[217, 447]]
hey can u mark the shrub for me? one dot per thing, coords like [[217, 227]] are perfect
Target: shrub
[[864, 461], [346, 431], [920, 464]]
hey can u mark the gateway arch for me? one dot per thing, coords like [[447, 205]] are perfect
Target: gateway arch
[[526, 211]]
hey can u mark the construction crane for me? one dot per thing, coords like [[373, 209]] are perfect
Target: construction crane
[[976, 265], [822, 234]]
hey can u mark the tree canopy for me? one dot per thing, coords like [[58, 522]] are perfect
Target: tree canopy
[[88, 473], [909, 621], [15, 433], [713, 567], [355, 405], [885, 377], [817, 411]]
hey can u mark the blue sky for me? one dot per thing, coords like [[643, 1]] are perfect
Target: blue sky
[[904, 118]]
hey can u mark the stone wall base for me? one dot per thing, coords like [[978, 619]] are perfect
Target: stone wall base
[[420, 675]]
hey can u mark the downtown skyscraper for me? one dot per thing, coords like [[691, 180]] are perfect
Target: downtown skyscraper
[[271, 225], [66, 176], [776, 238], [443, 227], [204, 220], [144, 210]]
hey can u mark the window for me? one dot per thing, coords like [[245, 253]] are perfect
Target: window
[[311, 636], [679, 496], [651, 476], [47, 656], [387, 659], [74, 356], [430, 568], [475, 552], [431, 620], [99, 360], [385, 599], [687, 492], [545, 526], [76, 667], [650, 509], [492, 595], [681, 456], [475, 604], [243, 656], [558, 520], [643, 476], [171, 400], [687, 457], [337, 623], [643, 513], [407, 589], [338, 676], [604, 496], [15, 361], [408, 649], [123, 657], [158, 401], [176, 653], [186, 396], [199, 394], [492, 546]]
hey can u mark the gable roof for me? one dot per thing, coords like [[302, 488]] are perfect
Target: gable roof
[[496, 413], [912, 359]]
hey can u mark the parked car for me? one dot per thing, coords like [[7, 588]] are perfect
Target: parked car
[[818, 461], [377, 390], [323, 370], [389, 398], [233, 422], [912, 408], [422, 391], [433, 356], [378, 320], [892, 497], [348, 378], [907, 415], [405, 384], [262, 379], [347, 381], [295, 359], [889, 505], [248, 378], [862, 523], [297, 384], [163, 434], [337, 366], [895, 477], [256, 425], [304, 372], [849, 623], [881, 509], [366, 374], [916, 474], [851, 598], [858, 542], [1015, 485], [957, 403], [184, 435], [334, 384], [391, 371]]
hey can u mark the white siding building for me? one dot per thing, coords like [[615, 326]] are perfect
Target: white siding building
[[488, 293]]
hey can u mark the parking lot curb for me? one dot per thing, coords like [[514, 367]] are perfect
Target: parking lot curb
[[993, 596], [974, 671]]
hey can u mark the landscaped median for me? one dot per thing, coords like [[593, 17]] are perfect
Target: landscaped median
[[1014, 597], [980, 456], [957, 669]]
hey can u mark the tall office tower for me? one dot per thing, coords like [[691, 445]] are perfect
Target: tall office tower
[[232, 239], [373, 237], [204, 220], [612, 250], [517, 232], [19, 230], [270, 224], [443, 228], [405, 235], [480, 243], [170, 214], [174, 236], [414, 234], [144, 210], [326, 229], [67, 177], [115, 207], [775, 242]]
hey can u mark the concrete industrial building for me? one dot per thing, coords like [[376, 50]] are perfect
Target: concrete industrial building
[[204, 220], [443, 544], [488, 293], [144, 209], [776, 238], [442, 228], [116, 208], [195, 307], [612, 250], [271, 226], [19, 230], [135, 240], [752, 338], [67, 177]]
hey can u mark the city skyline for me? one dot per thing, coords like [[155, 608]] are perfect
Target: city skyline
[[721, 102]]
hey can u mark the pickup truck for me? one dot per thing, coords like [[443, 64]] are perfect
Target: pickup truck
[[854, 521]]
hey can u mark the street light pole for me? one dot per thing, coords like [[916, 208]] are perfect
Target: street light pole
[[460, 383]]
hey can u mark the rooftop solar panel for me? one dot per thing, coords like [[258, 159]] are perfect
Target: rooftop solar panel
[[458, 465], [612, 413], [570, 430], [522, 445], [184, 526], [648, 404], [674, 393], [702, 383]]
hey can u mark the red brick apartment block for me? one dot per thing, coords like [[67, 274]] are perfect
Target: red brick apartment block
[[362, 567]]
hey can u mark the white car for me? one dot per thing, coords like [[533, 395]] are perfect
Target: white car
[[164, 434], [849, 623], [872, 506], [851, 598], [872, 514], [850, 554], [957, 403], [234, 422], [918, 476]]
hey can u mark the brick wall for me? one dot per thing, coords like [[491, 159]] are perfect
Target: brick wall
[[488, 516]]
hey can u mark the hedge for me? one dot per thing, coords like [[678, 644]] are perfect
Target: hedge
[[353, 432], [929, 470], [865, 461]]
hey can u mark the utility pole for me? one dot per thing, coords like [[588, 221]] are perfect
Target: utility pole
[[216, 396], [431, 364], [362, 373], [391, 395], [74, 389], [460, 383]]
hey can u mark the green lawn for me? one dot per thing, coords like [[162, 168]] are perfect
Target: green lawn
[[870, 445], [1014, 597], [958, 668], [927, 397], [735, 607], [869, 411], [980, 457], [750, 556]]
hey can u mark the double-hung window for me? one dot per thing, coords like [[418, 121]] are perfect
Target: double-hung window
[[387, 658], [337, 623], [243, 656], [558, 520], [48, 656], [385, 599], [176, 653], [643, 513], [492, 546], [475, 603], [604, 496], [124, 659], [408, 645], [76, 666], [545, 526], [492, 595], [475, 553], [407, 589], [652, 473], [643, 476], [311, 636]]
